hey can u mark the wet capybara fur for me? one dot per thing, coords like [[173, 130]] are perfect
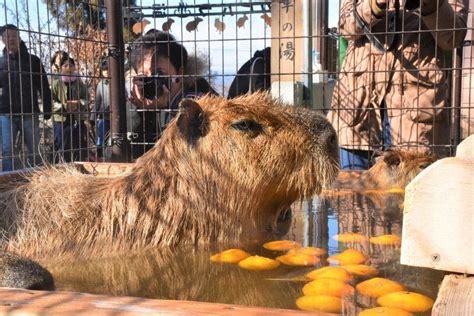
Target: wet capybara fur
[[19, 272], [395, 168], [223, 170]]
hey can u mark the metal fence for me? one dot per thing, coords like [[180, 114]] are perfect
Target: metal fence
[[116, 70]]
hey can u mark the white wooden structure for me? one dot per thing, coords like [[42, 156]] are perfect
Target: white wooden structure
[[438, 225]]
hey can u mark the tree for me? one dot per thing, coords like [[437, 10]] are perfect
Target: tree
[[79, 16]]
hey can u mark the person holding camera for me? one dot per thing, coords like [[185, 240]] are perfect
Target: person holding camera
[[393, 88], [162, 76], [70, 104]]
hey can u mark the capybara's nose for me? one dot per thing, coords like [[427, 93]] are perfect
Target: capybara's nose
[[326, 135], [329, 139]]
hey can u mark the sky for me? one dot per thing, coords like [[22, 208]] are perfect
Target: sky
[[226, 54]]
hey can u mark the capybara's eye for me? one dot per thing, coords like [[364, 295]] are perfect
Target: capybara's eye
[[247, 125]]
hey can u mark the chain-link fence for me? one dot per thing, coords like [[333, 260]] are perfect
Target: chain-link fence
[[100, 80]]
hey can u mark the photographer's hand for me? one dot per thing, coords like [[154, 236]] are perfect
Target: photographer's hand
[[141, 102]]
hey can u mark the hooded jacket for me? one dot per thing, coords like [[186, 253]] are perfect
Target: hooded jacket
[[23, 79], [412, 79]]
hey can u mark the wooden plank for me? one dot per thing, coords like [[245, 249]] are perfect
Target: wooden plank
[[455, 297], [26, 302]]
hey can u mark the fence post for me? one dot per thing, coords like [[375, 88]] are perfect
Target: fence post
[[118, 120]]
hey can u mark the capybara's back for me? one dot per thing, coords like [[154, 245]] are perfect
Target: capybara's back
[[395, 168], [19, 272], [223, 170]]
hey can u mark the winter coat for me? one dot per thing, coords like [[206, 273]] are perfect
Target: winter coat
[[412, 79], [60, 98], [22, 81]]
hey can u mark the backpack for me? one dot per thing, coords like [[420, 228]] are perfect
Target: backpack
[[254, 75]]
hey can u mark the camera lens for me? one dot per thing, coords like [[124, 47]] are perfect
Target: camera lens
[[153, 86]]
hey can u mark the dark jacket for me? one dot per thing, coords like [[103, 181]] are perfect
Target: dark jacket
[[23, 79]]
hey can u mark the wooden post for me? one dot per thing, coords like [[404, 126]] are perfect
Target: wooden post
[[287, 50]]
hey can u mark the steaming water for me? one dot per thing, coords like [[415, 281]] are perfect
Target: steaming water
[[187, 273]]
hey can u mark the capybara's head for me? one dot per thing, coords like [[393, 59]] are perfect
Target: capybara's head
[[239, 162], [395, 168]]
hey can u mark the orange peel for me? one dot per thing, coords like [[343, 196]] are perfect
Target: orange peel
[[322, 303], [281, 245], [377, 287], [409, 301], [298, 259], [327, 286], [313, 251], [330, 272], [259, 263], [230, 256], [349, 256], [361, 270], [384, 311], [386, 240]]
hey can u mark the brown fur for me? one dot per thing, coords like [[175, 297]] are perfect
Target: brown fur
[[203, 181], [394, 169]]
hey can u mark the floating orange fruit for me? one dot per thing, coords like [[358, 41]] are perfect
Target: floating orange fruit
[[313, 251], [409, 301], [230, 256], [281, 245], [330, 272], [298, 259], [350, 237], [360, 270], [349, 256], [327, 286], [322, 303], [258, 263], [384, 311], [377, 287], [386, 240]]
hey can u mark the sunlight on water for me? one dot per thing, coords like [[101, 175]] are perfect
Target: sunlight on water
[[188, 273]]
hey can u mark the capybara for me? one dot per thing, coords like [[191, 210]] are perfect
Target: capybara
[[395, 168], [19, 272], [223, 170]]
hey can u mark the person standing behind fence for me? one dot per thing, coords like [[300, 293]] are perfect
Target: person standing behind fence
[[70, 106], [101, 113], [22, 80], [56, 61], [393, 88], [163, 76]]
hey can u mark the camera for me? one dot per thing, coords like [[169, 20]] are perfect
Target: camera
[[153, 85], [412, 4]]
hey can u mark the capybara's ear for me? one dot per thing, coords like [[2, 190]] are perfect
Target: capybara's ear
[[191, 121], [392, 157]]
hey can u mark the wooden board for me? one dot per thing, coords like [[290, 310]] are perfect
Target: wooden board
[[455, 297], [25, 302]]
